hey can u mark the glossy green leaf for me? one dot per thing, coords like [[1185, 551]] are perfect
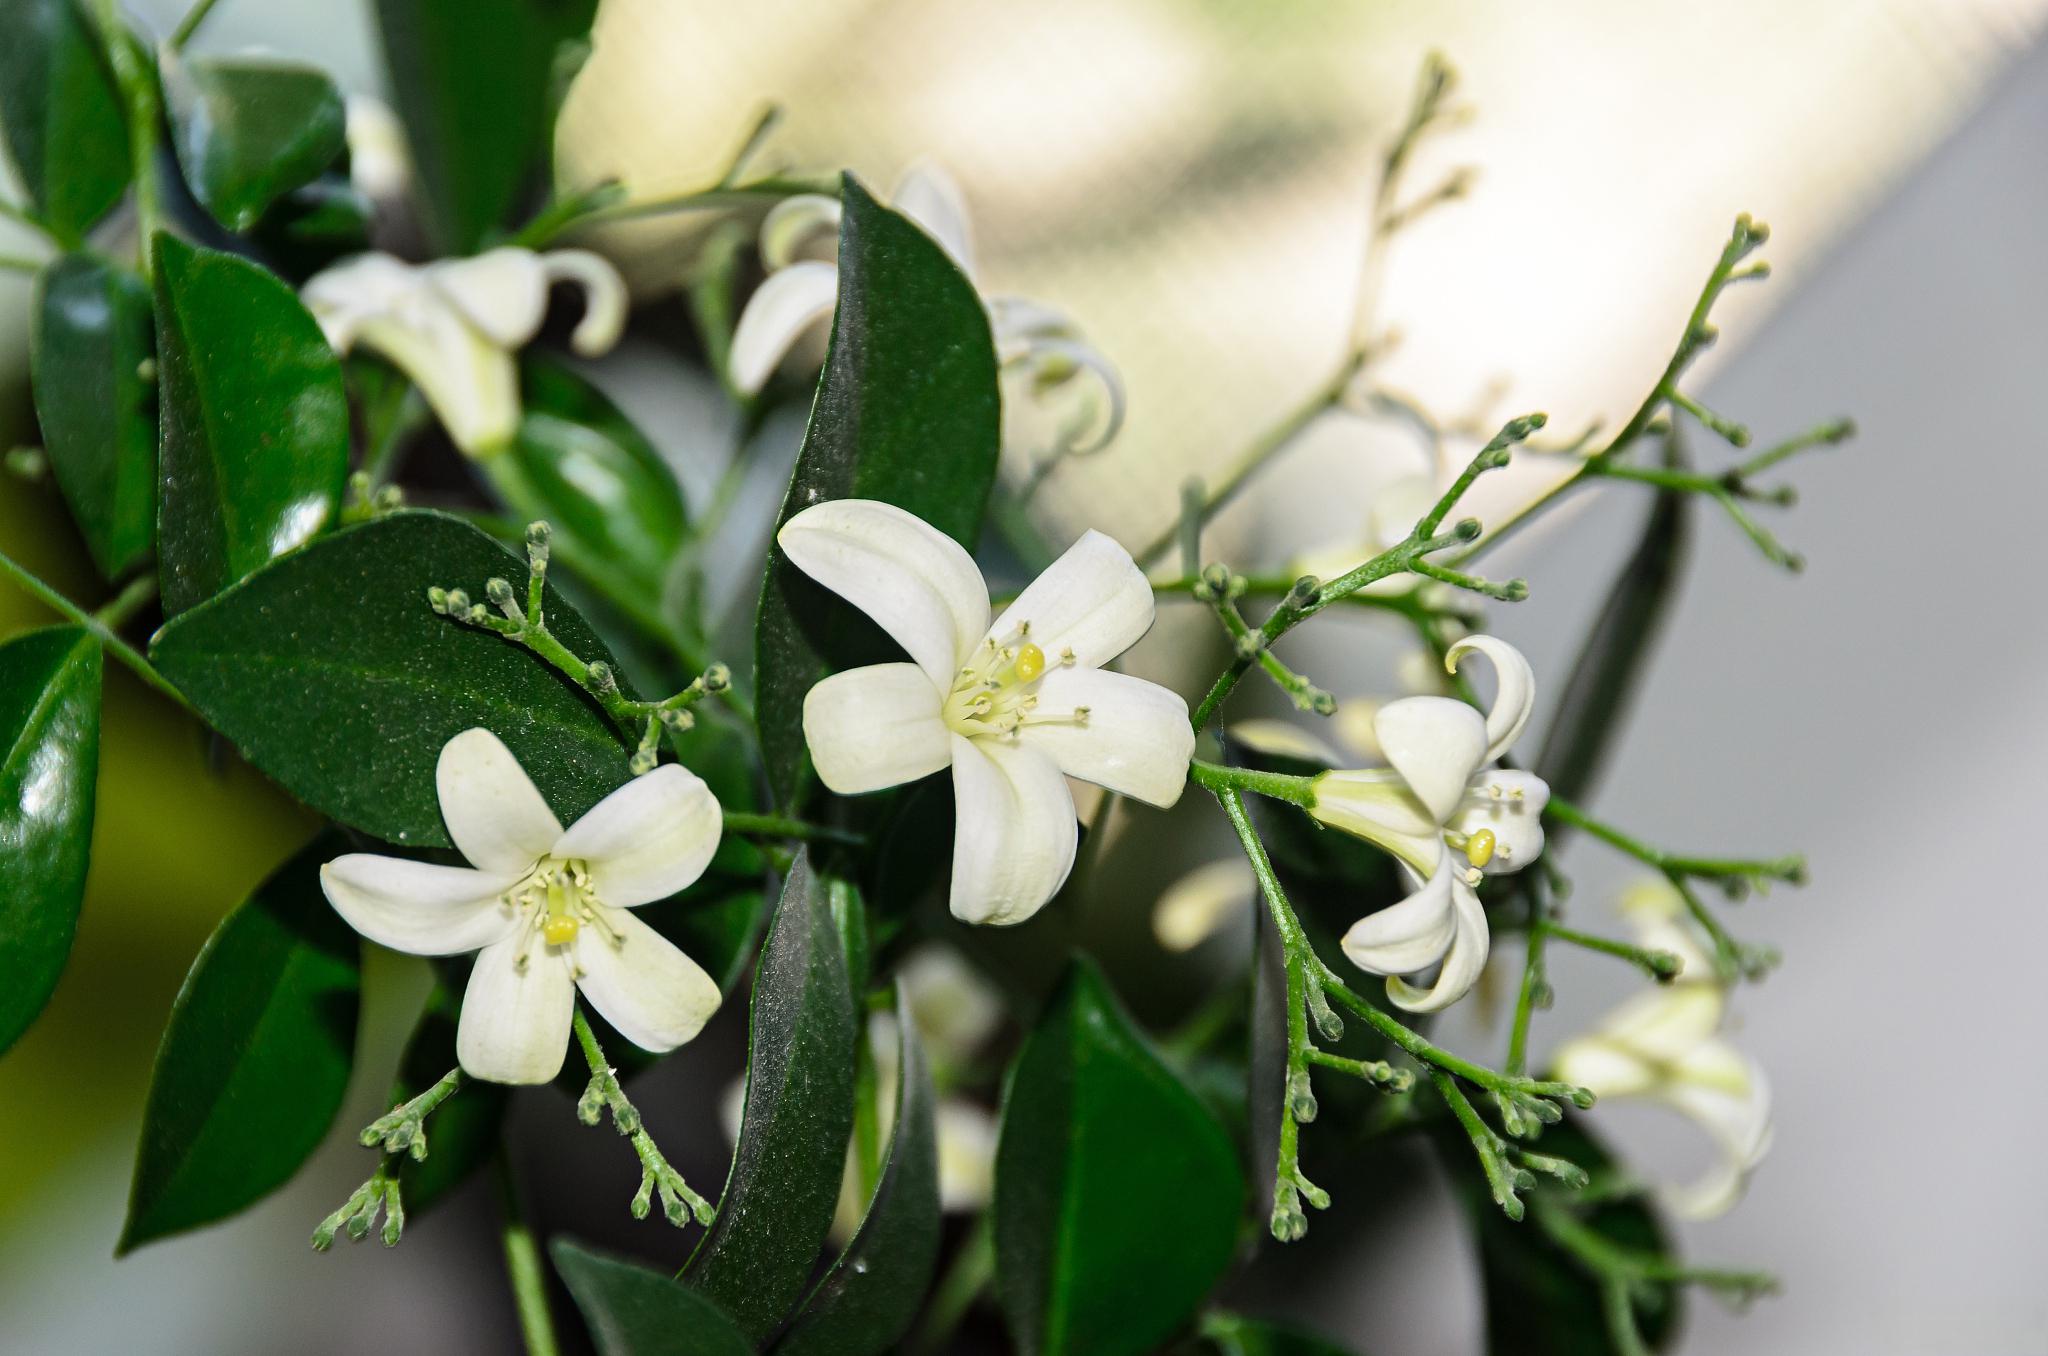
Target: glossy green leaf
[[254, 1060], [249, 130], [635, 1311], [475, 83], [92, 337], [784, 1184], [1117, 1192], [872, 1294], [462, 1133], [254, 421], [61, 113], [331, 674], [907, 412], [49, 759]]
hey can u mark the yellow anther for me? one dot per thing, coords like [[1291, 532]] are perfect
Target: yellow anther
[[1479, 847], [1030, 662], [560, 929]]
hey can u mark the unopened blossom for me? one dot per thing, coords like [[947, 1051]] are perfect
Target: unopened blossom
[[546, 910], [1039, 348], [1013, 708], [453, 326], [1664, 1046], [1449, 820]]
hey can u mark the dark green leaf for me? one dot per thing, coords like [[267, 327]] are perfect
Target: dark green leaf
[[330, 672], [1234, 1336], [634, 1311], [255, 421], [872, 1294], [49, 757], [462, 1133], [313, 227], [61, 113], [474, 82], [249, 130], [779, 1199], [1117, 1192], [98, 411], [715, 922], [254, 1060], [907, 412]]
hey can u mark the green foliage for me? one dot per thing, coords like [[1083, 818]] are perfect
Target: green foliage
[[248, 130], [635, 1311], [49, 759], [255, 421], [329, 671], [88, 356], [779, 1199], [1117, 1192], [254, 1060], [907, 412], [61, 114]]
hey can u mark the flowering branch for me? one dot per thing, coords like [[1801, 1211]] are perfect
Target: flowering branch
[[678, 1201], [404, 1128]]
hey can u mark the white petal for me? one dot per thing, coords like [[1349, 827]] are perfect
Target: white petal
[[1073, 358], [345, 294], [643, 984], [1666, 1023], [875, 727], [1517, 694], [495, 814], [514, 1026], [1396, 508], [1436, 744], [471, 383], [604, 298], [967, 1156], [1136, 739], [1284, 739], [917, 583], [928, 196], [1377, 805], [1411, 935], [1509, 804], [1463, 964], [955, 1006], [1014, 832], [648, 839], [1196, 905], [1740, 1126], [418, 907], [1093, 600], [1352, 723], [379, 162], [1603, 1068], [503, 292], [792, 223], [786, 304]]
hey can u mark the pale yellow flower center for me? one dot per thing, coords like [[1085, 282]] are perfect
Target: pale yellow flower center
[[557, 900], [996, 693]]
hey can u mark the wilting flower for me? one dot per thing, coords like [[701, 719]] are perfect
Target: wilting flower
[[1014, 709], [1663, 1046], [1449, 821], [1039, 347], [453, 325], [545, 910]]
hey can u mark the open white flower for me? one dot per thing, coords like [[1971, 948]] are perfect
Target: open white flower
[[1038, 346], [1448, 819], [1663, 1045], [1008, 707], [546, 910], [453, 325]]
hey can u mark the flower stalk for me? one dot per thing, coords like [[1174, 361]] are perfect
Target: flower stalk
[[604, 1094]]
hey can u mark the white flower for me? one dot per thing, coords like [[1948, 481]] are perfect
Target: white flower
[[453, 325], [1663, 1046], [1038, 347], [379, 161], [1009, 707], [1191, 909], [1447, 821], [545, 909]]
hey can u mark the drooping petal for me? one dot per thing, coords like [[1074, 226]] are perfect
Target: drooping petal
[[1194, 907], [496, 816], [917, 583], [515, 1020], [786, 304], [604, 298], [1135, 739], [874, 727], [928, 196], [1463, 963], [1740, 1126], [1516, 697], [1053, 364], [1377, 805], [648, 839], [1436, 744], [1093, 600], [643, 984], [471, 383], [792, 224], [1284, 739], [1667, 1023], [502, 292], [1603, 1068], [1411, 935], [418, 907], [1509, 805], [1014, 831]]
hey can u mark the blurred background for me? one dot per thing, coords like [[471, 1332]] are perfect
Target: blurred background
[[1190, 181]]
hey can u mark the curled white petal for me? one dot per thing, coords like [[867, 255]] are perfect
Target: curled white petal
[[1507, 803], [643, 984], [1093, 600], [1014, 834], [1044, 356], [496, 816], [648, 839], [873, 727], [417, 907], [604, 298], [1194, 907], [792, 224], [1411, 935], [1436, 744], [515, 1020], [502, 292], [928, 196], [1463, 963], [783, 307], [1516, 697], [1739, 1123], [1135, 739]]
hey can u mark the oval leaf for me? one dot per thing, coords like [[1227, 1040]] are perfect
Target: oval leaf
[[61, 113], [249, 130], [1117, 1192], [907, 412], [633, 1311], [869, 1299], [254, 1060], [254, 421], [49, 756], [784, 1183], [330, 672]]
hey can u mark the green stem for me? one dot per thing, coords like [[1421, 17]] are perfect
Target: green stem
[[115, 646], [16, 264], [16, 213], [678, 1202], [972, 1269], [781, 826], [1790, 869], [1220, 778], [140, 101], [189, 25], [1659, 965], [523, 1265], [135, 595]]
